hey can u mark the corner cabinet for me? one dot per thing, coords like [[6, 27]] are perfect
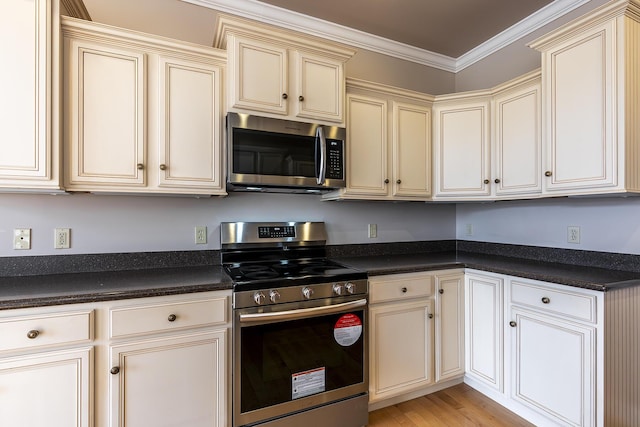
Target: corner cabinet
[[488, 144], [414, 347], [29, 83], [143, 115], [591, 124], [388, 144], [278, 73]]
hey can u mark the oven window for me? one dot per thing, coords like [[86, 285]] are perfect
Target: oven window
[[284, 361], [267, 153]]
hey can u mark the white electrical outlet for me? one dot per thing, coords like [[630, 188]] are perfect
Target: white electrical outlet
[[468, 229], [573, 234], [62, 238], [373, 231], [22, 238], [201, 235]]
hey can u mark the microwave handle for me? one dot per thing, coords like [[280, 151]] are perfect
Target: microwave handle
[[321, 142]]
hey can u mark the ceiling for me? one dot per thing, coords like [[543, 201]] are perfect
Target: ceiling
[[440, 33]]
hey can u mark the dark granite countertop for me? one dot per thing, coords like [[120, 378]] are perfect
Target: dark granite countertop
[[70, 288], [594, 278]]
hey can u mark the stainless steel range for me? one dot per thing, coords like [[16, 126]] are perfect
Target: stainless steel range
[[300, 328]]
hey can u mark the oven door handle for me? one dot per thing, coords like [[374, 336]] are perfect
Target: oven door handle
[[301, 313]]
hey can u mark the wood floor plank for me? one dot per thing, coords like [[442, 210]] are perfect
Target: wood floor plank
[[457, 406]]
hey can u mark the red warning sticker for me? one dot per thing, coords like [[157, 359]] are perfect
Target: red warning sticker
[[347, 330]]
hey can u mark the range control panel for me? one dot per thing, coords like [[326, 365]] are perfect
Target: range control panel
[[273, 232]]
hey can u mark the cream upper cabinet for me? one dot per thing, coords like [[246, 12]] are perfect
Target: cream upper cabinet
[[462, 132], [29, 113], [142, 115], [590, 122], [488, 144], [388, 144], [282, 74]]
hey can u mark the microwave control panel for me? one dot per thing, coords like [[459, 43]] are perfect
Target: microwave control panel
[[335, 159]]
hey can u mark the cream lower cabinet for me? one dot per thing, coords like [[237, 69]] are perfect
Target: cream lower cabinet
[[537, 353], [46, 368], [168, 362], [403, 334], [388, 144], [143, 115], [29, 84]]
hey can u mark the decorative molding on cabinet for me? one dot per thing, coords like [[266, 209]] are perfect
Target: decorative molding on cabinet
[[327, 30], [76, 9]]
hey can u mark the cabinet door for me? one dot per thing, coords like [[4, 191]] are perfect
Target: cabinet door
[[366, 146], [462, 149], [259, 76], [580, 112], [411, 150], [50, 389], [517, 141], [176, 381], [553, 367], [483, 325], [189, 114], [28, 51], [401, 348], [105, 124], [320, 88], [449, 326]]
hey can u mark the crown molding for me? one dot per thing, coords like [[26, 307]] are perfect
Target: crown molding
[[76, 9], [279, 17]]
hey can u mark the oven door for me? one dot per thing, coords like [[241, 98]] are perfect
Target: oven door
[[293, 357]]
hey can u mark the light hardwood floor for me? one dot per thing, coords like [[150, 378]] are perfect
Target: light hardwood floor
[[459, 405]]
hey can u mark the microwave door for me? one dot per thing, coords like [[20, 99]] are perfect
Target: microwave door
[[321, 156]]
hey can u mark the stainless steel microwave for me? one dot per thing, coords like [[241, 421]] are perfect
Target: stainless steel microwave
[[273, 155]]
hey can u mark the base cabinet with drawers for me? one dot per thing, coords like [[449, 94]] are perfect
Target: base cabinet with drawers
[[404, 329], [157, 361]]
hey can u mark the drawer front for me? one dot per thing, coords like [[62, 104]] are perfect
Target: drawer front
[[399, 287], [137, 320], [19, 333], [564, 303]]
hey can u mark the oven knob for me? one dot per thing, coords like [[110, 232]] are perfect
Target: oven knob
[[274, 296], [337, 289], [307, 292], [350, 287], [259, 298]]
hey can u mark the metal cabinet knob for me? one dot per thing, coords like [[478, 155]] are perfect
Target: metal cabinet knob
[[404, 290], [545, 300], [548, 173], [486, 181], [513, 324], [430, 316], [172, 318], [441, 291], [301, 98], [115, 370], [398, 181], [497, 180], [33, 334], [163, 167], [285, 96], [386, 181], [140, 166]]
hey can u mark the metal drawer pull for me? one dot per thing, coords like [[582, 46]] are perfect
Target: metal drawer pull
[[172, 318], [513, 324], [115, 370], [545, 300], [404, 290], [301, 313], [33, 334]]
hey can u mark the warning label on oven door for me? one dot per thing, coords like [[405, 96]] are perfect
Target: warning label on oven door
[[307, 383], [347, 330]]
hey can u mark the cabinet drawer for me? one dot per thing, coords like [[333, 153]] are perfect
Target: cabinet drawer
[[47, 330], [399, 287], [128, 321], [561, 302]]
